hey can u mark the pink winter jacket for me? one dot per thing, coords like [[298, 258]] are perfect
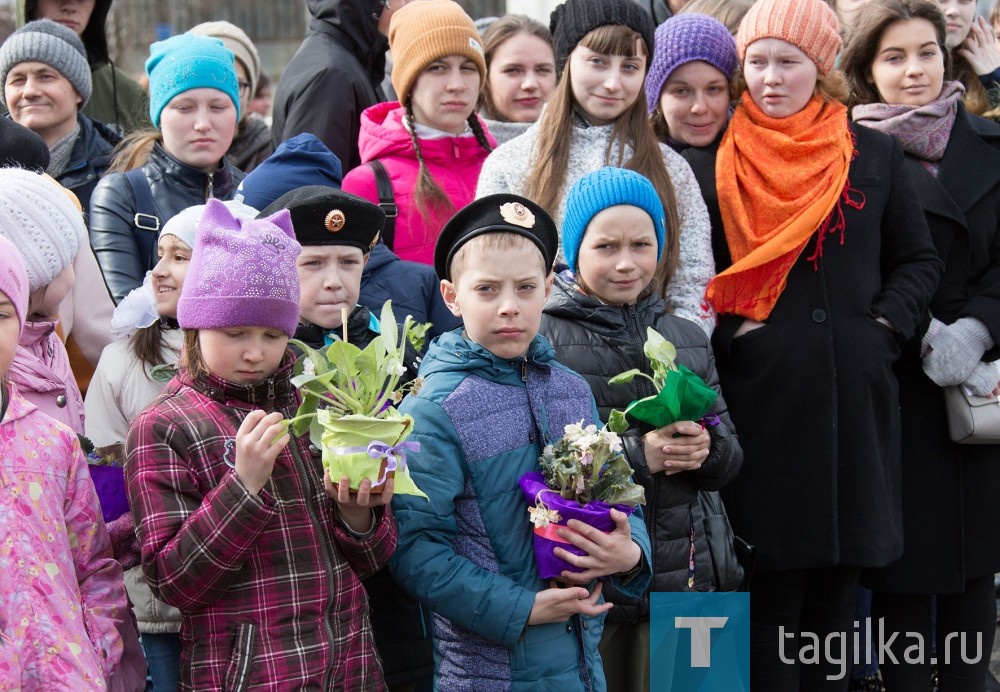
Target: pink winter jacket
[[43, 375], [454, 164], [62, 598]]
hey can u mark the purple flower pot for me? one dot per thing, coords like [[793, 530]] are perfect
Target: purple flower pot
[[109, 481], [594, 513]]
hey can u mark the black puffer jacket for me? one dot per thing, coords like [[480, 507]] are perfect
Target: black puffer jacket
[[125, 252], [600, 341]]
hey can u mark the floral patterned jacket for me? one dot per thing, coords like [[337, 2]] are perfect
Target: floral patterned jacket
[[269, 585], [62, 598]]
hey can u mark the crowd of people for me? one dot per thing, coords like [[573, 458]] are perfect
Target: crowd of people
[[802, 197]]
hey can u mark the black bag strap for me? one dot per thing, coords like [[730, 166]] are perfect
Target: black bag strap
[[146, 218], [386, 200]]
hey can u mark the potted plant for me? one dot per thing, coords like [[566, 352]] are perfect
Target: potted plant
[[680, 393], [348, 406], [584, 475]]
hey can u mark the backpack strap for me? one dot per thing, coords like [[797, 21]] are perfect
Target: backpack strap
[[386, 200], [146, 220]]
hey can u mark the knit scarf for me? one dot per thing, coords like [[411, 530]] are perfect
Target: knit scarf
[[922, 130], [61, 152], [779, 180]]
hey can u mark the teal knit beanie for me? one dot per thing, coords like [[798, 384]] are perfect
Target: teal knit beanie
[[608, 187], [186, 62]]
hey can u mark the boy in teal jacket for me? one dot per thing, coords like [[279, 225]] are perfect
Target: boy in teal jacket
[[492, 398]]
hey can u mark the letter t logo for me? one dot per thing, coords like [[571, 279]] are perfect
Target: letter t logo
[[701, 637]]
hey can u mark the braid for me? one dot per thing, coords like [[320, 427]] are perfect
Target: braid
[[428, 195], [477, 130]]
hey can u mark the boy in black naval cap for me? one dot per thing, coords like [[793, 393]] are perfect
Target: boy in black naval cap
[[337, 232], [493, 396]]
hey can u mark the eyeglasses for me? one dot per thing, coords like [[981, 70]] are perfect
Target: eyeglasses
[[244, 88]]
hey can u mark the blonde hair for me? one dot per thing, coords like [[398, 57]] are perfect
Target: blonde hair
[[547, 177], [729, 12], [495, 35], [191, 356], [134, 150], [486, 245]]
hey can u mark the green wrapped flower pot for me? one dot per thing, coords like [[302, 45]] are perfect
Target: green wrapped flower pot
[[362, 447]]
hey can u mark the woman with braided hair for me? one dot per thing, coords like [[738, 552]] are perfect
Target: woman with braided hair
[[431, 142]]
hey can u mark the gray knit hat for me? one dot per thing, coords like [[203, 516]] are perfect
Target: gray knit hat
[[53, 44]]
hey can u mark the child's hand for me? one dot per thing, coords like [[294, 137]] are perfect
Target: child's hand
[[607, 553], [670, 454], [558, 605], [355, 508], [259, 440]]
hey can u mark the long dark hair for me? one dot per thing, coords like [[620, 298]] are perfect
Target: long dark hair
[[863, 41]]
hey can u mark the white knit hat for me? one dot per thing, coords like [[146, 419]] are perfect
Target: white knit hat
[[39, 218]]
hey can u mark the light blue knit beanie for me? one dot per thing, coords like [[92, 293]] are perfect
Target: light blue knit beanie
[[608, 187], [186, 62]]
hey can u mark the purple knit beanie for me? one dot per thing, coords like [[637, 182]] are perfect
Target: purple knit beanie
[[242, 273], [685, 38], [14, 279]]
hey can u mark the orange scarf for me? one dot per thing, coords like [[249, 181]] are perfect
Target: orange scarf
[[779, 181]]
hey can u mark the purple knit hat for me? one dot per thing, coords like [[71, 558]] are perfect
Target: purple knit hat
[[685, 38], [14, 279], [242, 273]]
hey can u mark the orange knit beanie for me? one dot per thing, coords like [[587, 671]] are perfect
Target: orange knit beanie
[[810, 25], [422, 32]]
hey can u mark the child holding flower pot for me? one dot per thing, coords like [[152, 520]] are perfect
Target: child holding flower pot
[[237, 525], [493, 397], [338, 231], [596, 319]]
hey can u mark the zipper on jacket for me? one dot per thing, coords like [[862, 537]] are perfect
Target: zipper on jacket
[[637, 336], [270, 391], [210, 187], [324, 548], [524, 370]]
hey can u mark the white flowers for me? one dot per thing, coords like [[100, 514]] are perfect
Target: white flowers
[[542, 516]]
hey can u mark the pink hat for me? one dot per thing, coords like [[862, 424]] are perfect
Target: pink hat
[[242, 273], [13, 278]]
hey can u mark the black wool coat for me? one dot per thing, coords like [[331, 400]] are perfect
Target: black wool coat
[[951, 493], [600, 341], [813, 393]]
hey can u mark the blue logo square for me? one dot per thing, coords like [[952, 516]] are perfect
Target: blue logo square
[[699, 642]]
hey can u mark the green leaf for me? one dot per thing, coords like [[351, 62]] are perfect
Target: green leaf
[[625, 377], [660, 352], [343, 357], [417, 334], [387, 323], [617, 422]]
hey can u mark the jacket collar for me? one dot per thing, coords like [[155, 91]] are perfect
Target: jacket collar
[[276, 392], [358, 333], [569, 302], [968, 184], [221, 182], [455, 352]]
